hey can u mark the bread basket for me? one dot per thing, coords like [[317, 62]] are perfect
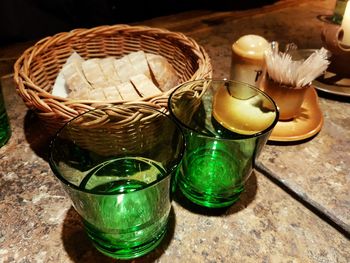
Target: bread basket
[[36, 70]]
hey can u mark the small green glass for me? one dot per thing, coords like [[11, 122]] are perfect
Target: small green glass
[[5, 129], [118, 173], [226, 124], [339, 10]]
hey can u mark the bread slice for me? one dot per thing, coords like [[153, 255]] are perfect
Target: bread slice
[[74, 77], [109, 71], [139, 62], [127, 91], [93, 72], [111, 93], [163, 72], [131, 77], [97, 94], [124, 69], [144, 86]]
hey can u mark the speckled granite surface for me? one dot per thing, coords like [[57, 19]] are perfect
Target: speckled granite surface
[[318, 170], [38, 224]]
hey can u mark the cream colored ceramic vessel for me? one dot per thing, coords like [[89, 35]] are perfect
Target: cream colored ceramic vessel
[[248, 58]]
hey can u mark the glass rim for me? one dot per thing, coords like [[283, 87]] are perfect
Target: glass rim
[[224, 80], [169, 171]]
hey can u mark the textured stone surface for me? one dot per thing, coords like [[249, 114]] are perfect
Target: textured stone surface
[[318, 170], [38, 223]]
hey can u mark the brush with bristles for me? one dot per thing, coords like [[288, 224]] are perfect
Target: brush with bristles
[[281, 68]]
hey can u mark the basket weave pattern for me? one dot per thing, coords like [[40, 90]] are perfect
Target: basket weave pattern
[[116, 130], [36, 70]]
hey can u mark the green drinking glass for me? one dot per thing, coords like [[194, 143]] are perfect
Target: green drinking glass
[[5, 129], [338, 12], [117, 165], [226, 123]]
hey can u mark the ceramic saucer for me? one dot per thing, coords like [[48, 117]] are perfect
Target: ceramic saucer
[[306, 125], [329, 82], [333, 84]]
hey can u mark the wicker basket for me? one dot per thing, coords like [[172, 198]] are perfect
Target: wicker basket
[[36, 70], [124, 130]]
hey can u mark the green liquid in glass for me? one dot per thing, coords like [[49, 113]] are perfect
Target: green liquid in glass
[[128, 220], [110, 172], [119, 187], [214, 171], [210, 176]]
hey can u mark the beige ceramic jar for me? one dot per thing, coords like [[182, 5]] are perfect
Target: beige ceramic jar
[[248, 58]]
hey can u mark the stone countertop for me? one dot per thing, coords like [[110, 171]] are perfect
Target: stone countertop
[[316, 170], [38, 223], [269, 224]]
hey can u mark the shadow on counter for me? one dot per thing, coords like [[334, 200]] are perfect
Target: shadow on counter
[[38, 140], [245, 199], [291, 143], [80, 248]]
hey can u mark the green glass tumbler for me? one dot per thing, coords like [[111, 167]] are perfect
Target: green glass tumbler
[[117, 165], [5, 129], [226, 124], [339, 10]]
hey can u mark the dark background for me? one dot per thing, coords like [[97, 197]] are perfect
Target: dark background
[[22, 20]]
